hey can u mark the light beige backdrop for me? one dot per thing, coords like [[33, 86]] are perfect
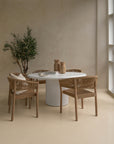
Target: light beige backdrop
[[64, 29]]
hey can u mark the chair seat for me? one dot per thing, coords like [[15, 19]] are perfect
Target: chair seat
[[82, 93], [22, 94], [26, 94]]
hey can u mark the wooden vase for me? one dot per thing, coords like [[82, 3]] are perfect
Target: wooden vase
[[56, 65], [62, 68]]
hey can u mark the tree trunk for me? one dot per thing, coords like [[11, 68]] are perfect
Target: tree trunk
[[18, 63]]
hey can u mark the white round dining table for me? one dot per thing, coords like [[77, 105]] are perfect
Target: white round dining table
[[52, 85]]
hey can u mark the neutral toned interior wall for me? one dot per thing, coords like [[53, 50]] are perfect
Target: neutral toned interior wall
[[65, 29]]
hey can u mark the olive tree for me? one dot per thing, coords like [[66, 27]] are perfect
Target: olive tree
[[23, 49]]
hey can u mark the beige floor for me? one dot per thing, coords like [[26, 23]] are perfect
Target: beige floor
[[54, 128]]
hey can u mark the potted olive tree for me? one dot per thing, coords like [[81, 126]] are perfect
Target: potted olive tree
[[23, 49]]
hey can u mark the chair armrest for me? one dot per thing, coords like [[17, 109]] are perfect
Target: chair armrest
[[26, 81]]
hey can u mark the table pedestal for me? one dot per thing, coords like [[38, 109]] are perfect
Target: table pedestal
[[53, 94]]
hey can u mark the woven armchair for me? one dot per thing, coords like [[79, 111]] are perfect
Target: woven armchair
[[79, 88], [17, 91]]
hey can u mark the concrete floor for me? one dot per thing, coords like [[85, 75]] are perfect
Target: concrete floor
[[54, 128]]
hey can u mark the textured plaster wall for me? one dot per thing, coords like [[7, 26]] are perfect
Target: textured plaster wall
[[64, 29]]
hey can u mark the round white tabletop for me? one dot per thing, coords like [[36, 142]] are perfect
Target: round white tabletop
[[55, 76], [52, 85]]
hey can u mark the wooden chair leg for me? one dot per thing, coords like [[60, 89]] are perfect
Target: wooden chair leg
[[8, 97], [37, 99], [9, 104], [13, 109], [96, 109], [29, 103], [60, 100], [26, 102], [82, 103], [76, 111]]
